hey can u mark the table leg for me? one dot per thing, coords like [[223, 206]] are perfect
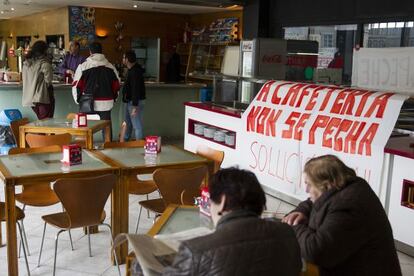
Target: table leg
[[120, 214], [11, 229], [108, 133], [22, 138], [89, 140]]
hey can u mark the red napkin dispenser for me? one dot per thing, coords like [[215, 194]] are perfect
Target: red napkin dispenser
[[152, 144], [72, 154], [81, 119]]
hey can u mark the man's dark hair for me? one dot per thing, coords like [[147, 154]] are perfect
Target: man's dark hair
[[95, 48], [39, 49], [130, 56], [241, 188]]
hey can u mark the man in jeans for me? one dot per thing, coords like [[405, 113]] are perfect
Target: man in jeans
[[133, 96], [99, 78]]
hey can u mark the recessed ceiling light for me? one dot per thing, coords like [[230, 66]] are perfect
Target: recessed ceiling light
[[12, 9], [1, 12], [135, 6]]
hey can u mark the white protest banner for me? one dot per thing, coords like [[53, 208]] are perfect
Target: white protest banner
[[288, 123], [390, 69]]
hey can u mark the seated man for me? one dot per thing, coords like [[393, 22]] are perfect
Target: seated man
[[243, 243], [342, 228]]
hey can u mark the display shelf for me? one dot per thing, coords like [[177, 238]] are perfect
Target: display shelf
[[205, 59], [192, 131]]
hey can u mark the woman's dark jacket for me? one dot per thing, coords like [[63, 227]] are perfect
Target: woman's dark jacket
[[242, 244], [348, 233]]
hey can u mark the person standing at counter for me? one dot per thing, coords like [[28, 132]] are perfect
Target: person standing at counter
[[342, 228], [96, 84], [134, 96], [37, 81], [72, 60]]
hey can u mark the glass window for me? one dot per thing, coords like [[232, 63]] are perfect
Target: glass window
[[383, 35], [335, 40]]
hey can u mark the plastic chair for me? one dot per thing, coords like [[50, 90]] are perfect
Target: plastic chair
[[37, 140], [137, 186], [84, 201], [15, 126], [39, 195], [19, 217]]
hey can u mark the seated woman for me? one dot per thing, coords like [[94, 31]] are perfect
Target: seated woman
[[243, 243], [342, 227]]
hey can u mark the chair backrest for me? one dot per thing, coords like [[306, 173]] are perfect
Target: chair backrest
[[71, 116], [15, 125], [84, 198], [212, 154], [37, 140], [172, 182], [54, 148], [131, 144]]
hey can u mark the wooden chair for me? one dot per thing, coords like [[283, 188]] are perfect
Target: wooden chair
[[212, 154], [15, 126], [83, 200], [37, 140], [172, 183], [39, 195], [19, 217], [79, 139], [137, 186]]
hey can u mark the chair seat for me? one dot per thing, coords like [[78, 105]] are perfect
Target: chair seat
[[38, 198], [61, 220], [19, 212], [141, 187], [155, 205]]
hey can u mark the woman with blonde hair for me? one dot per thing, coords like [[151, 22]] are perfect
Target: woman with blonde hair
[[342, 227]]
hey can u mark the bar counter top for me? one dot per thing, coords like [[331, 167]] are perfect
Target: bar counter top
[[402, 146], [149, 84]]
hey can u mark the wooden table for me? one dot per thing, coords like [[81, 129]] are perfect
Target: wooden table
[[58, 126], [178, 218], [132, 162], [27, 169]]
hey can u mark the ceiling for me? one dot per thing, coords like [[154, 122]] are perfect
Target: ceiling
[[16, 8]]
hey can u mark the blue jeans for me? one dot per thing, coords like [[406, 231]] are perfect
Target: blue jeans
[[134, 121]]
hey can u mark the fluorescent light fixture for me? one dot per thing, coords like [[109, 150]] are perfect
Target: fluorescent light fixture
[[400, 24], [375, 26], [383, 25], [410, 24]]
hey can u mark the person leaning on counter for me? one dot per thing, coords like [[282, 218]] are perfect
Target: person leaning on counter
[[72, 60], [343, 228]]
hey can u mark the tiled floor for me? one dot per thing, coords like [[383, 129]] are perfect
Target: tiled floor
[[78, 262]]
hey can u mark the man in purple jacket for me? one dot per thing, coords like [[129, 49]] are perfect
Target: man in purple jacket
[[71, 61]]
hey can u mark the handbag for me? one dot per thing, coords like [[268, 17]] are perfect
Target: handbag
[[86, 103]]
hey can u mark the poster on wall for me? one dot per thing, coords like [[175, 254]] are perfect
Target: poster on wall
[[82, 25], [384, 68], [288, 123]]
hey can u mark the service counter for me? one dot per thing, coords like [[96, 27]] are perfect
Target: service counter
[[163, 111]]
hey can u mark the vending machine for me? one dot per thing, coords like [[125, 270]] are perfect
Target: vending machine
[[278, 59]]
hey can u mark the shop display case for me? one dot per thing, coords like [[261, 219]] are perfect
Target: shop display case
[[205, 60]]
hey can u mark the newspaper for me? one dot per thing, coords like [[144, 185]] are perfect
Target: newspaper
[[154, 254]]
